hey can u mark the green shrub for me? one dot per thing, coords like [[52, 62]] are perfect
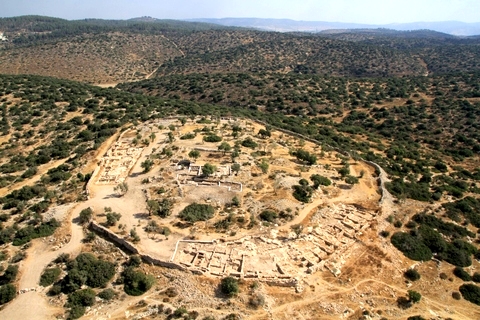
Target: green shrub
[[188, 136], [9, 275], [225, 223], [76, 312], [147, 165], [467, 207], [91, 236], [456, 256], [84, 297], [56, 289], [416, 191], [197, 212], [471, 292], [319, 180], [412, 275], [212, 138], [7, 293], [249, 143], [136, 283], [302, 192], [180, 312], [112, 218], [476, 277], [161, 208], [229, 286], [49, 276], [416, 318], [305, 156], [432, 239], [62, 258], [351, 179], [462, 274], [78, 300], [411, 224], [28, 233], [384, 233], [86, 269], [268, 215], [107, 294], [208, 169], [411, 247], [445, 228], [414, 296]]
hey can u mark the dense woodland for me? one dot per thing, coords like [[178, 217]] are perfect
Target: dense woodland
[[409, 101]]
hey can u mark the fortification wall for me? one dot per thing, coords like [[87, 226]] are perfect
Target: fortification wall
[[113, 237], [130, 247]]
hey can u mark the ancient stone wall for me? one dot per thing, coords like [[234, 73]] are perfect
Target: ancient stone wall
[[167, 264], [113, 237], [130, 247]]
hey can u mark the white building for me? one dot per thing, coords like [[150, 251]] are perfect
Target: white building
[[2, 37]]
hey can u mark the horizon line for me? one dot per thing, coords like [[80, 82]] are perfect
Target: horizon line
[[223, 18]]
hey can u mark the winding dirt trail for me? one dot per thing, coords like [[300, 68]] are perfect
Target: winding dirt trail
[[33, 304]]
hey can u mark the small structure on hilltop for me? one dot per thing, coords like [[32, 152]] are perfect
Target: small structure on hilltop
[[3, 37], [192, 174]]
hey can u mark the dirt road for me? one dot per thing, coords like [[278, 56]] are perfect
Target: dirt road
[[33, 304]]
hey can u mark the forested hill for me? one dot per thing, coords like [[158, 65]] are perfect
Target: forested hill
[[30, 29], [112, 51]]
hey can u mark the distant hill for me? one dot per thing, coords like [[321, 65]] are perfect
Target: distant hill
[[286, 25], [112, 51]]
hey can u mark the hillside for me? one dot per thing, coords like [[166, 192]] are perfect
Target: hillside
[[102, 51], [287, 25], [93, 58], [237, 174], [80, 121]]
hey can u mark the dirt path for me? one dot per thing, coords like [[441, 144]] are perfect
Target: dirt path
[[39, 255], [33, 304], [174, 44], [132, 206], [151, 73], [362, 192], [304, 213]]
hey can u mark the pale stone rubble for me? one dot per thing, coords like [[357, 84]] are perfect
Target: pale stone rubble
[[281, 261], [188, 175], [269, 258], [118, 161]]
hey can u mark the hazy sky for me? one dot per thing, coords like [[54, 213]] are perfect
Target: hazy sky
[[359, 11]]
